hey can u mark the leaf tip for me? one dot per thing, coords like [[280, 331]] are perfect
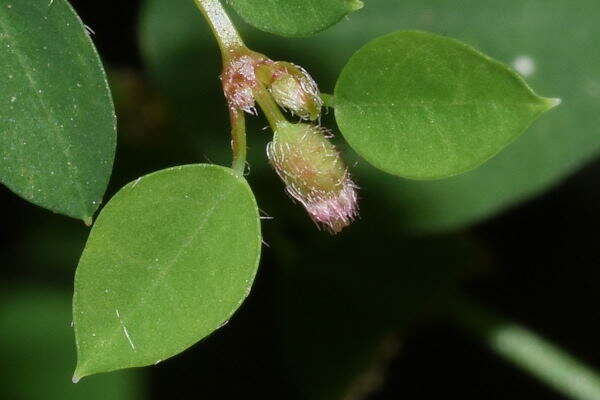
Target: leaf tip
[[355, 5], [80, 372], [551, 103]]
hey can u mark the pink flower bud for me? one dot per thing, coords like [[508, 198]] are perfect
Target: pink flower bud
[[314, 174], [239, 79], [294, 89]]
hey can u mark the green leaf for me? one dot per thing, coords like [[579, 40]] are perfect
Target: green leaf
[[294, 18], [57, 120], [38, 352], [169, 260], [423, 106]]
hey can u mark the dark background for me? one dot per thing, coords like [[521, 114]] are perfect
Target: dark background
[[540, 269]]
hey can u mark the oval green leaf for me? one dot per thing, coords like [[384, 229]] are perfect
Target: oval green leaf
[[294, 18], [169, 260], [424, 106], [57, 120]]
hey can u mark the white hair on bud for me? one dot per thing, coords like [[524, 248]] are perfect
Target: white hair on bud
[[239, 79], [315, 175]]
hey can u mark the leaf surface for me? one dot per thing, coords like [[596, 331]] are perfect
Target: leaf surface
[[57, 120], [294, 18], [169, 260], [423, 106]]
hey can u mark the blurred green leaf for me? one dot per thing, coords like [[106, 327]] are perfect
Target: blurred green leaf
[[524, 33], [169, 260], [38, 352], [57, 120], [294, 17], [423, 106]]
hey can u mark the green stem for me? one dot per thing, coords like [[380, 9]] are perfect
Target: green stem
[[230, 44], [238, 141], [223, 29], [530, 352], [268, 105]]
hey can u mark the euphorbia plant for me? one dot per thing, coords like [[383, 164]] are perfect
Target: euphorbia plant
[[174, 253], [413, 104], [306, 161]]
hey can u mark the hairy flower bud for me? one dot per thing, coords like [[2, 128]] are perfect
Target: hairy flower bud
[[239, 79], [314, 174], [294, 89]]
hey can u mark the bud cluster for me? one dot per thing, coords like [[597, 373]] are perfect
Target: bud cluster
[[302, 155], [290, 85]]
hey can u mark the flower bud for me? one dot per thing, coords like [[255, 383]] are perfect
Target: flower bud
[[314, 174], [239, 79], [294, 89]]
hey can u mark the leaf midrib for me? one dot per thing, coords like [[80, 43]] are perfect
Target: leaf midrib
[[491, 103]]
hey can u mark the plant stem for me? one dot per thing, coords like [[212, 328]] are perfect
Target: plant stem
[[530, 352], [223, 29], [230, 43], [268, 105], [238, 141]]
